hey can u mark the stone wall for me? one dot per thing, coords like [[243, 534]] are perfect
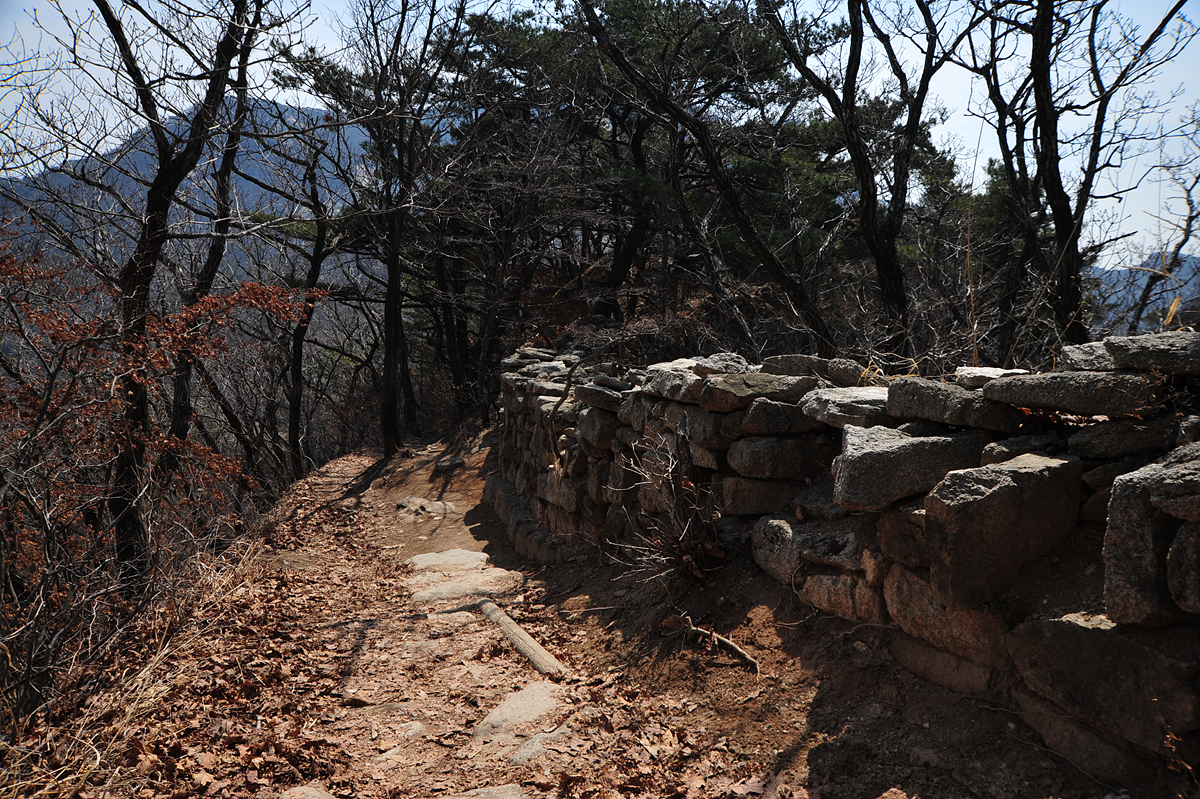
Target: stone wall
[[1030, 537]]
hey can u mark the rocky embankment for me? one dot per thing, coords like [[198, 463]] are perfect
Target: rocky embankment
[[1032, 538]]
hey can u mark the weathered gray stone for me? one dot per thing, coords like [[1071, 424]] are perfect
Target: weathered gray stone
[[918, 398], [1175, 353], [1189, 430], [1122, 437], [706, 458], [531, 703], [1084, 747], [984, 526], [635, 408], [598, 397], [861, 407], [1090, 357], [1009, 448], [979, 376], [1183, 568], [1091, 669], [901, 535], [706, 428], [839, 371], [1086, 393], [879, 465], [972, 634], [816, 502], [781, 542], [616, 384], [548, 370], [451, 560], [725, 393], [674, 380], [845, 372], [940, 667], [773, 457], [597, 427], [722, 363], [795, 365], [1138, 537], [770, 418], [741, 496]]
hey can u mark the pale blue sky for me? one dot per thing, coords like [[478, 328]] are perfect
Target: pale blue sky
[[1138, 212]]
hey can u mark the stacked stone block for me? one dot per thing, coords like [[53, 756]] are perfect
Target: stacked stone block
[[927, 505]]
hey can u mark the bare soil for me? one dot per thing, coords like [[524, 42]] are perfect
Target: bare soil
[[313, 667]]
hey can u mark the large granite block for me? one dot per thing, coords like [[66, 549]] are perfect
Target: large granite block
[[879, 465], [1086, 393], [918, 398], [776, 457], [916, 609], [984, 526], [725, 393], [1099, 674]]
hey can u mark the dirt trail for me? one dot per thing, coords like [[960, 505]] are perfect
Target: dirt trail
[[332, 664]]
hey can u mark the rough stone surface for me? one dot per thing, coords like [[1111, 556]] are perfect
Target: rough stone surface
[[918, 398], [770, 418], [529, 704], [725, 393], [559, 490], [1123, 437], [597, 427], [971, 634], [706, 458], [1084, 747], [979, 376], [706, 428], [1086, 393], [984, 526], [1103, 475], [879, 465], [452, 560], [839, 371], [1009, 448], [1090, 357], [816, 502], [1103, 676], [781, 542], [634, 409], [1183, 568], [861, 407], [846, 596], [1095, 507], [940, 667], [598, 397], [741, 496], [1175, 353], [674, 380], [794, 365], [845, 372], [902, 535], [721, 363], [429, 587], [1138, 537], [773, 457]]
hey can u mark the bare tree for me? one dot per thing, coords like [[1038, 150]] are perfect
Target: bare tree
[[1068, 98]]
